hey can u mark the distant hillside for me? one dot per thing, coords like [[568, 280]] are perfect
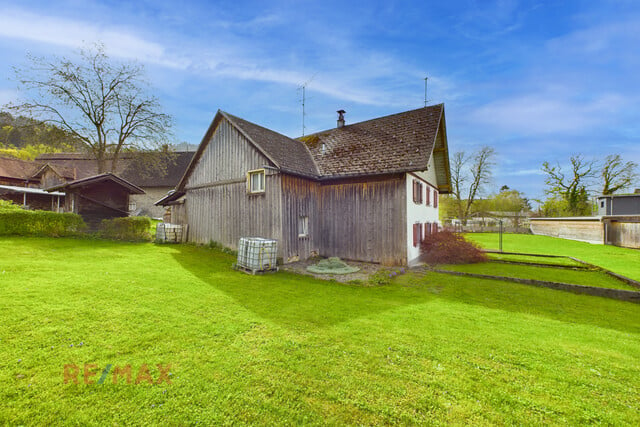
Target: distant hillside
[[25, 138], [21, 131]]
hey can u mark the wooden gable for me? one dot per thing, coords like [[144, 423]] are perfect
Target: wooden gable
[[225, 155]]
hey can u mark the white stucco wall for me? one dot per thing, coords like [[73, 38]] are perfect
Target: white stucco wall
[[420, 213]]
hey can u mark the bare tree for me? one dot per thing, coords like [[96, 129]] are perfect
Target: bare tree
[[616, 174], [102, 103], [573, 188], [478, 174]]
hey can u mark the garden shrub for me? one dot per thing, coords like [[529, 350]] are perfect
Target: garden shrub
[[446, 247], [39, 223], [131, 228], [384, 276], [8, 205]]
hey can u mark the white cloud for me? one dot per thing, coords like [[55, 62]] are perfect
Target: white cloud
[[18, 24], [345, 77], [541, 114]]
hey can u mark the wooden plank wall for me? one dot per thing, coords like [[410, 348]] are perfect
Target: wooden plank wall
[[228, 156], [626, 234], [225, 213], [299, 199], [364, 221], [218, 207]]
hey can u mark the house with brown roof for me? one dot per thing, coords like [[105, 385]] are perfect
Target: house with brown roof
[[143, 173], [366, 191], [22, 182], [98, 197]]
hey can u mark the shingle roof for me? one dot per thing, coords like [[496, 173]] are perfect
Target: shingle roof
[[397, 143], [131, 188], [17, 169], [288, 154], [128, 168], [64, 172]]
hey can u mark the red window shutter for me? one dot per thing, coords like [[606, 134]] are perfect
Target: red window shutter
[[427, 230], [415, 192], [415, 235], [419, 192], [428, 196], [420, 232], [434, 228], [435, 198]]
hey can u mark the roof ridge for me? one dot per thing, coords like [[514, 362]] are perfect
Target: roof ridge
[[441, 105]]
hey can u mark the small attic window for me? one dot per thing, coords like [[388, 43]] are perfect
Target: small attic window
[[255, 181]]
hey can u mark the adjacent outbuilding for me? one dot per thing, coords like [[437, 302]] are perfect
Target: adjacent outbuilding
[[98, 197]]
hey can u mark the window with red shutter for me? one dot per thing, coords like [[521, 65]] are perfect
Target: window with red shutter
[[435, 198], [434, 228], [420, 239], [428, 202], [415, 191], [427, 230], [415, 235]]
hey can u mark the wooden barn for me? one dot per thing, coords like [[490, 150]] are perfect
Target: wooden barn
[[366, 191], [98, 197]]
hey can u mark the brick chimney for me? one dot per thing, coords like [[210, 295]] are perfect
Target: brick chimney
[[340, 118]]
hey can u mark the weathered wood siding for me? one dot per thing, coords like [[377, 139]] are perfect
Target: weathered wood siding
[[217, 205], [622, 233], [364, 220], [228, 156], [299, 200]]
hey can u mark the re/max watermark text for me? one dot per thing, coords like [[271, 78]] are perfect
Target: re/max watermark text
[[88, 374]]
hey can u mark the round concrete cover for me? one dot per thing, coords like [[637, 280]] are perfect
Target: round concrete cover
[[332, 265]]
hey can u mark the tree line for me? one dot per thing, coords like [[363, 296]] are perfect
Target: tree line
[[102, 105], [568, 189]]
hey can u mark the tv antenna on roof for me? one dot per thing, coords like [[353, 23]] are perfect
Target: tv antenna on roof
[[303, 87], [425, 91]]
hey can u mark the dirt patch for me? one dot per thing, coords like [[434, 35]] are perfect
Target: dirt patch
[[366, 270]]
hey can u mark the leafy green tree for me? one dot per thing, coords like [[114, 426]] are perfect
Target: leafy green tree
[[617, 174], [571, 187]]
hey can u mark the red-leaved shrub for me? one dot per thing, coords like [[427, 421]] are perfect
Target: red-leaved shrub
[[446, 247]]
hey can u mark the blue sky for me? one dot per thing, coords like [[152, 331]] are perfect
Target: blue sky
[[537, 80]]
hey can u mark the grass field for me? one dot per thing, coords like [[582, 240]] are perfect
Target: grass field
[[579, 277], [620, 260], [287, 349], [533, 259]]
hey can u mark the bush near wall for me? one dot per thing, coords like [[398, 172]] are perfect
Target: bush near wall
[[39, 223], [446, 247], [133, 228]]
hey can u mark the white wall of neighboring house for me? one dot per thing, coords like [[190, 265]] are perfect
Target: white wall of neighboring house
[[420, 213]]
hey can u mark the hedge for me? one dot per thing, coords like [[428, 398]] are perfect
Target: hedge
[[39, 223], [132, 228]]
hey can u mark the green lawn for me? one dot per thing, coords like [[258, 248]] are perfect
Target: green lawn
[[576, 277], [533, 259], [620, 260], [287, 349]]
